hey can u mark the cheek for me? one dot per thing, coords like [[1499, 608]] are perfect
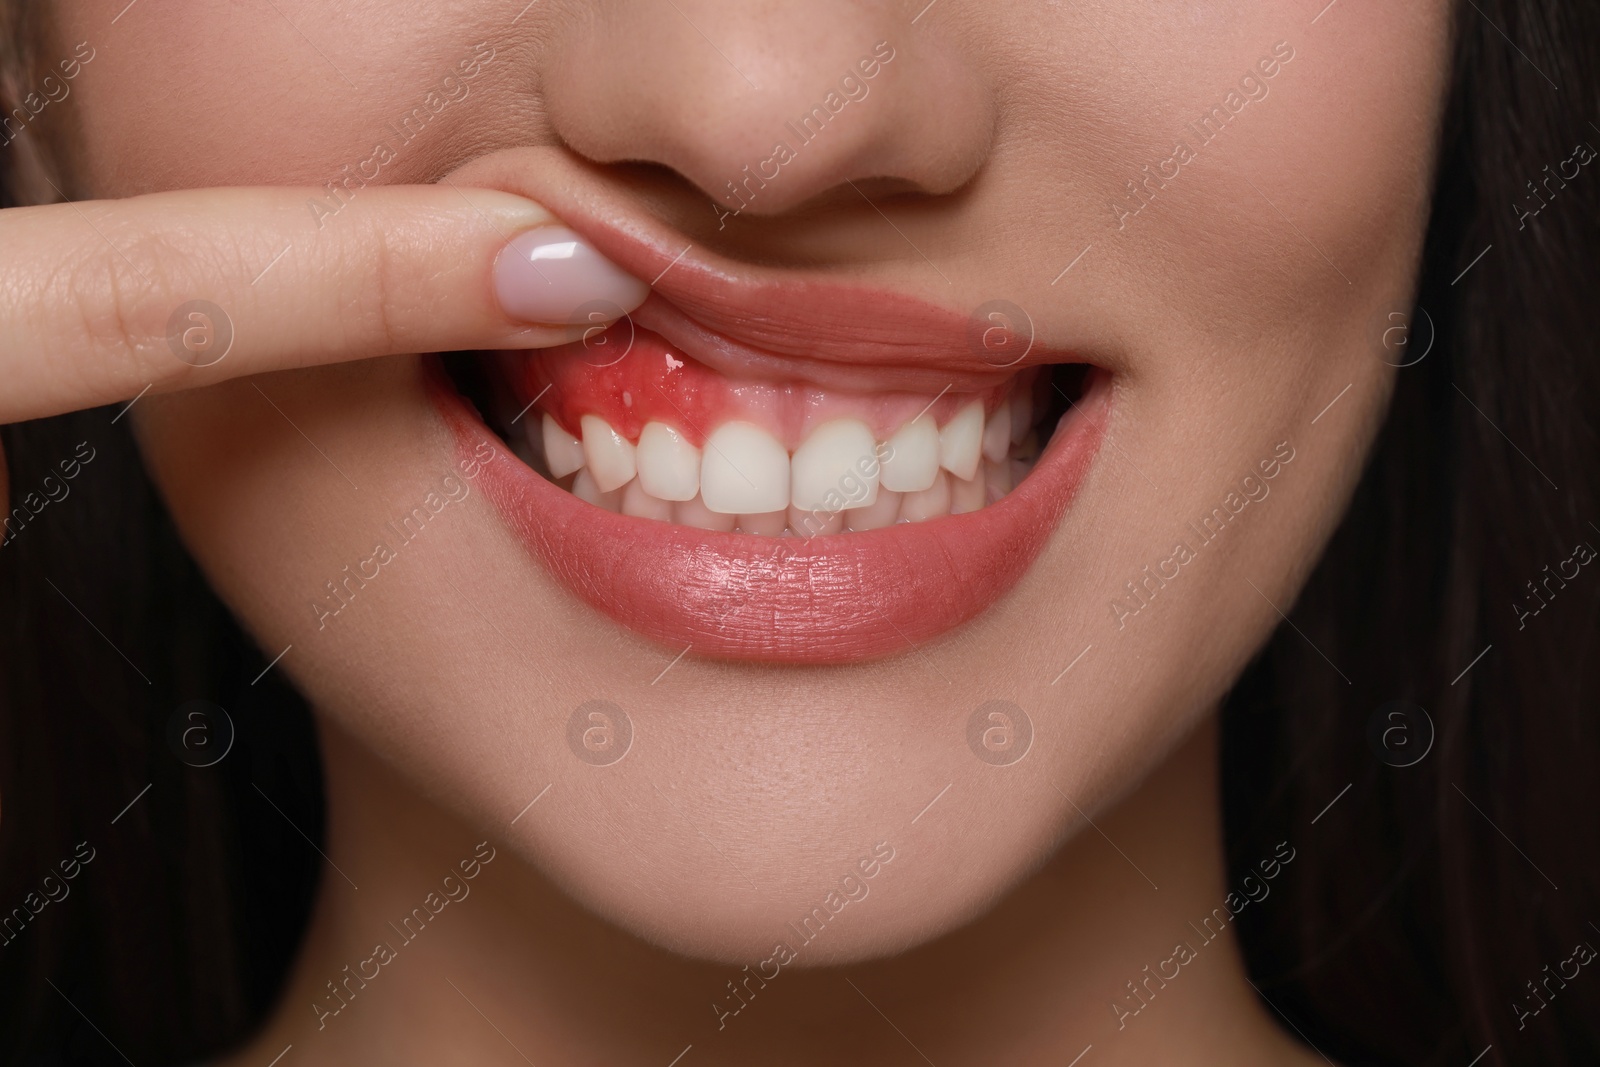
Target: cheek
[[1342, 163], [287, 93], [1298, 203], [1246, 283]]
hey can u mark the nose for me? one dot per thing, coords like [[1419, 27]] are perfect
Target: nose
[[764, 105]]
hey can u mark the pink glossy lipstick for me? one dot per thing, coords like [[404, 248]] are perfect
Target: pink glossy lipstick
[[758, 468]]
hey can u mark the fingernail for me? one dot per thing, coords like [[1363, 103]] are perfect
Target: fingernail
[[551, 275]]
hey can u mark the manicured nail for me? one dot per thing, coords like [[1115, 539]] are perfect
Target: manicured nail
[[551, 275]]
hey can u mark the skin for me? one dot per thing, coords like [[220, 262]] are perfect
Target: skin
[[1233, 310]]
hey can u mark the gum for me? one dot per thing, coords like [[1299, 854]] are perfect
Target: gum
[[655, 382]]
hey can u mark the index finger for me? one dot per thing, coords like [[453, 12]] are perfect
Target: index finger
[[101, 300]]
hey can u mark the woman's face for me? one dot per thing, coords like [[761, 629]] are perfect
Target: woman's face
[[1216, 205]]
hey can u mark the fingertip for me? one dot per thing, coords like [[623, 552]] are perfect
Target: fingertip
[[551, 275]]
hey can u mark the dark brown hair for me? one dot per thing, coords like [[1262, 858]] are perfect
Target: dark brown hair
[[1430, 906], [1426, 902]]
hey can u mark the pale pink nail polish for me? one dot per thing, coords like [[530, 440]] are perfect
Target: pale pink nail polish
[[551, 275]]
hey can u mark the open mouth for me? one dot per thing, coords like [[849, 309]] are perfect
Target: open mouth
[[630, 424], [739, 503]]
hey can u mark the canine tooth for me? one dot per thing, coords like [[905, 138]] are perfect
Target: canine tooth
[[669, 466], [695, 513], [770, 524], [997, 434], [640, 504], [961, 440], [563, 453], [744, 471], [835, 467], [608, 454], [1021, 414], [968, 494], [584, 488], [911, 458], [883, 512], [805, 522], [928, 503]]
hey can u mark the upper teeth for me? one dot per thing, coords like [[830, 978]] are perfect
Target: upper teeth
[[563, 453], [669, 466], [911, 460], [960, 442], [608, 454], [997, 435], [838, 462], [744, 471]]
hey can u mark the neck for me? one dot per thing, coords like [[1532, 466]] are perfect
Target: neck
[[408, 968]]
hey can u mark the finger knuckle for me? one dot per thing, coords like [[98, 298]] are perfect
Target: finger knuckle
[[119, 292], [374, 268]]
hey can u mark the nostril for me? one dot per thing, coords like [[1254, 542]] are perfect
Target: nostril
[[843, 99]]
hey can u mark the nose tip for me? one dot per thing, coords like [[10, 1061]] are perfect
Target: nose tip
[[765, 106]]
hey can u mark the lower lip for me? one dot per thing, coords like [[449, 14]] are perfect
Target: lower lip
[[834, 599]]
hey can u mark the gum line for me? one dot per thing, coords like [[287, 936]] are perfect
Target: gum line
[[632, 377]]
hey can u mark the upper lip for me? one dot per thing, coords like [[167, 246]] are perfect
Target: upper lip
[[754, 322], [748, 320]]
